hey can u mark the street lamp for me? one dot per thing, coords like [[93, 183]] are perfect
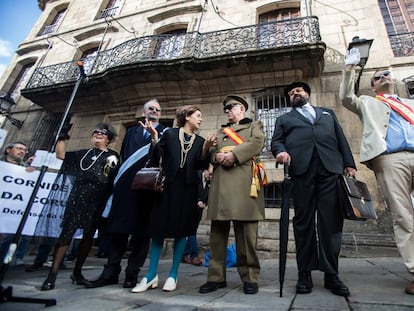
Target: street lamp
[[6, 103], [363, 45]]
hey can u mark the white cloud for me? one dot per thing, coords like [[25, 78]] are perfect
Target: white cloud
[[6, 49]]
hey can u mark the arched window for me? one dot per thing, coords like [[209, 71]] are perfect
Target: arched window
[[399, 21], [52, 26], [111, 9], [20, 79], [278, 27]]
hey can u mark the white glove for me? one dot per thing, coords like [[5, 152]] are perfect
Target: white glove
[[352, 57]]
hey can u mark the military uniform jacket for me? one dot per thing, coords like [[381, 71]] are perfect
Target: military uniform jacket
[[229, 196]]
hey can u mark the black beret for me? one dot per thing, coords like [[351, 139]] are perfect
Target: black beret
[[235, 98], [295, 84]]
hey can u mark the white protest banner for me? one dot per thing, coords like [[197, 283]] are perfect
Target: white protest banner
[[16, 187]]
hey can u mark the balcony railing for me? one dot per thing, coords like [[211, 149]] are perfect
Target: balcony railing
[[109, 12], [159, 48], [48, 29], [402, 44]]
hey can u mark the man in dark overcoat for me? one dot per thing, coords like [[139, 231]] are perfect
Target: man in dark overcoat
[[311, 141], [233, 173], [130, 210]]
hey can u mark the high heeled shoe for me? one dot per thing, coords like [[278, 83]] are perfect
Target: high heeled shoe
[[49, 283], [145, 285], [79, 279], [170, 285]]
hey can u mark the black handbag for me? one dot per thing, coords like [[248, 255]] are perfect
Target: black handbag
[[149, 179], [355, 201]]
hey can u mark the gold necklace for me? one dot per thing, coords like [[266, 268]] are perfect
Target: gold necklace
[[94, 159], [186, 145]]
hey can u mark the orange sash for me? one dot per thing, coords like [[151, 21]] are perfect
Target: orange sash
[[258, 167], [404, 110]]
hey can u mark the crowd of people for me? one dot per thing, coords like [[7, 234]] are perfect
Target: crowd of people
[[201, 172]]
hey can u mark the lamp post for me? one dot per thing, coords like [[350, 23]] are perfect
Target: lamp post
[[6, 103], [363, 45]]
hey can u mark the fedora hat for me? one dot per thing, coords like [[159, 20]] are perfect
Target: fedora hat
[[295, 84]]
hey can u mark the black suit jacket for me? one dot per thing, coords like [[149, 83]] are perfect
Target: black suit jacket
[[134, 139], [128, 213], [296, 135], [170, 149]]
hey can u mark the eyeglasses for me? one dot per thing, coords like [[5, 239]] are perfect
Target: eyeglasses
[[230, 106], [154, 109], [21, 149], [99, 131], [385, 73]]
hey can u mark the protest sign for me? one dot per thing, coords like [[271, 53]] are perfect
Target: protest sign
[[16, 188]]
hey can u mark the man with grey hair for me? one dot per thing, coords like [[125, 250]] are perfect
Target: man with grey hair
[[129, 209], [14, 153]]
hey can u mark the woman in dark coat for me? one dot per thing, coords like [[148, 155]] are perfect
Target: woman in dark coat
[[94, 170], [174, 214]]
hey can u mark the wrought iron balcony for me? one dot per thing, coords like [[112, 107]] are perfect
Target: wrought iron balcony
[[163, 49], [402, 44]]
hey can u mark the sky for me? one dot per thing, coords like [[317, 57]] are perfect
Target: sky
[[19, 17]]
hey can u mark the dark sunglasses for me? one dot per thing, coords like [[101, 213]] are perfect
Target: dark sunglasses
[[386, 73], [230, 107], [98, 131], [154, 109]]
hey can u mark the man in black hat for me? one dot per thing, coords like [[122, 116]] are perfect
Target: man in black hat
[[310, 140]]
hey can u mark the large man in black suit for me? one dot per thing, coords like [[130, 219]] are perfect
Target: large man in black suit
[[130, 210], [312, 142]]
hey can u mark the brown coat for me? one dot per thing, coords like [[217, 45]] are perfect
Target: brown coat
[[229, 196]]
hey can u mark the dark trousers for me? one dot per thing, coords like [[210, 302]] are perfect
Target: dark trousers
[[119, 244], [315, 194]]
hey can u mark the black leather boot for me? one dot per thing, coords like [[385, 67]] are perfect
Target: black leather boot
[[304, 284]]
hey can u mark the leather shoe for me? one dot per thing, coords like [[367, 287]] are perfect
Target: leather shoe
[[410, 288], [211, 287], [250, 288], [78, 279], [130, 282], [336, 286], [186, 259], [304, 284], [145, 285], [102, 281], [170, 284]]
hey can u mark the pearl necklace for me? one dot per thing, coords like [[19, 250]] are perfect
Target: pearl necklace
[[94, 159], [185, 145]]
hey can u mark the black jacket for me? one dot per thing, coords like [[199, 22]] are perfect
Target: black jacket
[[295, 135]]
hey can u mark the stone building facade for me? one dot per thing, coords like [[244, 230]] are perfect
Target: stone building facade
[[196, 52]]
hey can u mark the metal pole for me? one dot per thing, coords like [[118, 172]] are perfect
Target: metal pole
[[5, 294]]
